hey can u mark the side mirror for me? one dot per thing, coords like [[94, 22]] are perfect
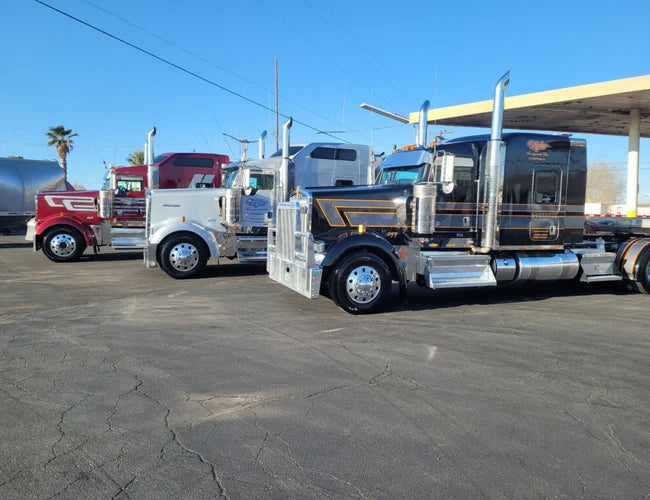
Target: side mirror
[[447, 173]]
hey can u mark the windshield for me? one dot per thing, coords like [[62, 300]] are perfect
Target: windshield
[[159, 158], [401, 175], [230, 177], [292, 151]]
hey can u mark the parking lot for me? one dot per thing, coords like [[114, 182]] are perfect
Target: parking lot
[[117, 381]]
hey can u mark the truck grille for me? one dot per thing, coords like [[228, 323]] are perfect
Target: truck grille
[[290, 258]]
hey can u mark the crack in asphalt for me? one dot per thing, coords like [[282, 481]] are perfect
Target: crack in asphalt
[[268, 434], [213, 469]]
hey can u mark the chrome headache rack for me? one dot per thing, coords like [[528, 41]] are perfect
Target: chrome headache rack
[[291, 256]]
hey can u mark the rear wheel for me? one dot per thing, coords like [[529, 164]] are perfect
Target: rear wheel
[[360, 283], [183, 256], [643, 275], [63, 244]]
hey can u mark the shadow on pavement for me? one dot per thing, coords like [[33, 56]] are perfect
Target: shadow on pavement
[[27, 244], [111, 257], [233, 269], [420, 298]]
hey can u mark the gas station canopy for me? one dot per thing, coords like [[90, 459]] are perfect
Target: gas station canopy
[[596, 108]]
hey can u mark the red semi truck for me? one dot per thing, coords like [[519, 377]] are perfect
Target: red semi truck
[[66, 223]]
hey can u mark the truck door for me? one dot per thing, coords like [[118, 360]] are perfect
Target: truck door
[[534, 191], [129, 204], [258, 206], [546, 205]]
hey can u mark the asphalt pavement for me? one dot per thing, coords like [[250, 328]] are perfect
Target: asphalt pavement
[[119, 382]]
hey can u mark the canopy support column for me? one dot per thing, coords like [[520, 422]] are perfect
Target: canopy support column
[[633, 163]]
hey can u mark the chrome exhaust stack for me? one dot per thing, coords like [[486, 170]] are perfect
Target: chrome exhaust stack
[[493, 172], [149, 158], [151, 184], [284, 166], [261, 145], [422, 130]]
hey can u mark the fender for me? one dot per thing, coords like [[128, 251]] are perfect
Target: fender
[[629, 256], [374, 243], [207, 235], [65, 220]]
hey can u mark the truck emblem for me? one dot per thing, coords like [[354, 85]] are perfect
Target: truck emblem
[[71, 203], [537, 146]]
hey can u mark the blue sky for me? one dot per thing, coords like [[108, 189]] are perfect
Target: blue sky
[[333, 55]]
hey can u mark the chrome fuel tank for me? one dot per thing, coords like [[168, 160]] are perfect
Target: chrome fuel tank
[[530, 266]]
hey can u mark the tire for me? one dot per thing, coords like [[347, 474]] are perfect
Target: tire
[[360, 283], [643, 274], [183, 256], [63, 244]]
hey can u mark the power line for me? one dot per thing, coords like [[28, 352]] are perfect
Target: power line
[[204, 59], [321, 51], [404, 91], [178, 67]]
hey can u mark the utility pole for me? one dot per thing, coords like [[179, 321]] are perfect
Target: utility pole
[[277, 123]]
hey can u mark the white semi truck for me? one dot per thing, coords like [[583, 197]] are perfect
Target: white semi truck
[[186, 228]]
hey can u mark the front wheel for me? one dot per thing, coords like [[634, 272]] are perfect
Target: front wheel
[[63, 244], [360, 283], [183, 256]]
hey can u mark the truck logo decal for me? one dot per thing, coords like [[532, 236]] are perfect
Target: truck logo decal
[[256, 202], [537, 146], [200, 179], [71, 203], [370, 213]]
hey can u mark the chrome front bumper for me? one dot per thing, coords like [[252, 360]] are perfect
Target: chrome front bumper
[[149, 254], [291, 256]]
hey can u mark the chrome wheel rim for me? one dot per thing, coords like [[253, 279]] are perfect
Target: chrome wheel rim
[[363, 284], [63, 245], [184, 257]]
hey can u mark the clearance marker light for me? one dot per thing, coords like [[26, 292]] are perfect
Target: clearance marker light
[[182, 218], [362, 228]]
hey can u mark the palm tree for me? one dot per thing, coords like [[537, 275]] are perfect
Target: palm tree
[[61, 137], [136, 158]]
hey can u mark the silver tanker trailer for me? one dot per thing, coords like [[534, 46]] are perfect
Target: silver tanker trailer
[[20, 180]]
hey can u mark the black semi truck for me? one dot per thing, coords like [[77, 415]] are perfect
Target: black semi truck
[[470, 212]]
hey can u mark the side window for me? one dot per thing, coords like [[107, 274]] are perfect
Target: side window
[[128, 186], [546, 186], [347, 154], [463, 184], [464, 176], [322, 153], [261, 181], [188, 161]]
